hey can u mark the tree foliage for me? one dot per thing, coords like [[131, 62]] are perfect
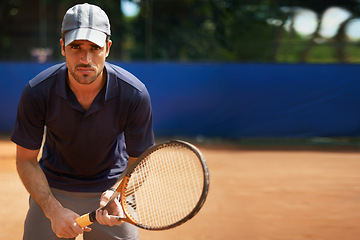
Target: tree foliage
[[185, 30]]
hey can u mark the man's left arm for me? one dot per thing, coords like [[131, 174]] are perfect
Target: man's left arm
[[107, 217]]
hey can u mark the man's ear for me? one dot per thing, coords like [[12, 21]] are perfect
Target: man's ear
[[62, 47], [109, 43]]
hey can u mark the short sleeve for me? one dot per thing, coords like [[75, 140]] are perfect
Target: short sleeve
[[139, 134], [29, 123]]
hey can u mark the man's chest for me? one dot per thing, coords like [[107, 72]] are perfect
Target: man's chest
[[102, 120]]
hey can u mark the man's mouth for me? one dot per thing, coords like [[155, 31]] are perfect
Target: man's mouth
[[85, 70]]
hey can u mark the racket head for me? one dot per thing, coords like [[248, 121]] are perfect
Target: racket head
[[166, 186]]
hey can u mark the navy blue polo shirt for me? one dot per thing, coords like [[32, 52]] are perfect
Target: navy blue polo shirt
[[84, 151]]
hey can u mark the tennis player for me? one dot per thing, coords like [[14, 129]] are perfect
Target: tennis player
[[94, 116]]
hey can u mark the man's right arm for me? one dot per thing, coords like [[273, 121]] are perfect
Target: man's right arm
[[34, 180]]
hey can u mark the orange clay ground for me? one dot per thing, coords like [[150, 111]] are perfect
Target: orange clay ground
[[255, 194]]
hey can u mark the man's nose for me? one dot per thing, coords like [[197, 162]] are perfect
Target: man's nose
[[85, 57]]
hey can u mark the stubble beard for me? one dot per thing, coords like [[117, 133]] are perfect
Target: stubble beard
[[85, 79]]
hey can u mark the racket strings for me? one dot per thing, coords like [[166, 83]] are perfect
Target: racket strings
[[166, 186]]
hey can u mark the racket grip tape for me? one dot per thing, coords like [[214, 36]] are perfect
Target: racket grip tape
[[86, 219]]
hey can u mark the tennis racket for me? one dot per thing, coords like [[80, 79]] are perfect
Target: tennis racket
[[165, 187]]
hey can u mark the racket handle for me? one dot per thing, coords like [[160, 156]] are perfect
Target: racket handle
[[86, 219]]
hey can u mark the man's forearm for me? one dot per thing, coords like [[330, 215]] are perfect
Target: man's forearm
[[36, 184], [62, 219]]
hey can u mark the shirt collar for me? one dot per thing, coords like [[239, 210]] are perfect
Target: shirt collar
[[112, 83]]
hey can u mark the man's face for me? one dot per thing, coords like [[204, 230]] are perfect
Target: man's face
[[85, 60]]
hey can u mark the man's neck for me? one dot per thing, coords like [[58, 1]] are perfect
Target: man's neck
[[86, 93]]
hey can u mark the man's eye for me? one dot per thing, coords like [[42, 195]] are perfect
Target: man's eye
[[75, 46], [96, 47]]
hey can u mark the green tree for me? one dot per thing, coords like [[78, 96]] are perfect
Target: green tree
[[226, 30], [184, 30]]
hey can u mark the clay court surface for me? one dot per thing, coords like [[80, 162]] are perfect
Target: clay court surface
[[255, 194]]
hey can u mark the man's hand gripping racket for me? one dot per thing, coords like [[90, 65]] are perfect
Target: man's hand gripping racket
[[166, 186]]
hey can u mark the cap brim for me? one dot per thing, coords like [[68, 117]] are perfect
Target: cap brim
[[88, 34]]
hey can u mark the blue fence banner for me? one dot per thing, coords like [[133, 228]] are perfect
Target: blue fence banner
[[230, 100]]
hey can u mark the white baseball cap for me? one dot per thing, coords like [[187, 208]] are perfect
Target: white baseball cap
[[86, 22]]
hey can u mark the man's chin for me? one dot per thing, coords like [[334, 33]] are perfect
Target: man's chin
[[85, 79]]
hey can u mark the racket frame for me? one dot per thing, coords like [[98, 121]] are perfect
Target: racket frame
[[89, 218], [198, 206]]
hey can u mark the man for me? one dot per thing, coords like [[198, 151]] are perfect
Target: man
[[95, 116]]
